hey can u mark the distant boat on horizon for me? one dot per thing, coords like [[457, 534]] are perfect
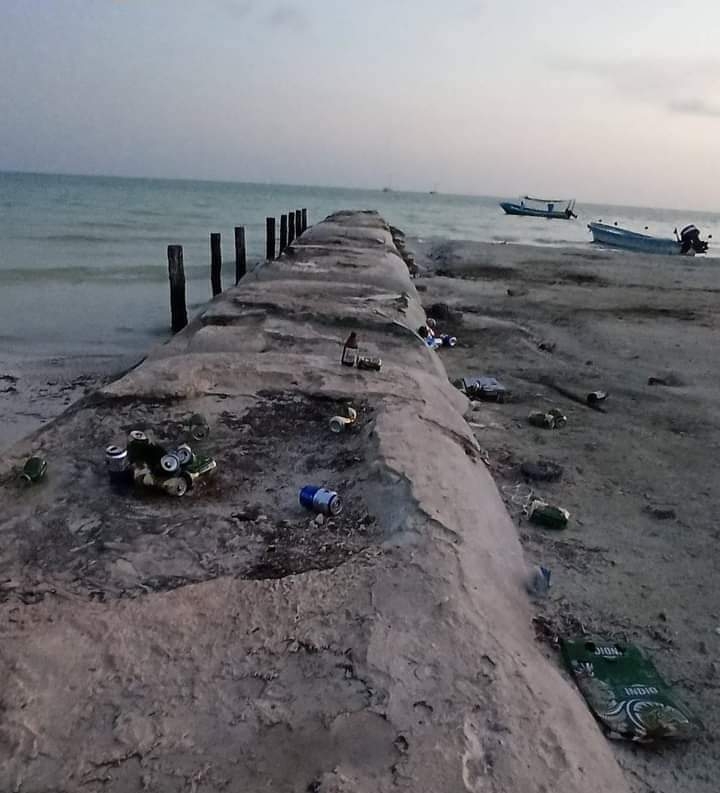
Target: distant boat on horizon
[[387, 189], [553, 209]]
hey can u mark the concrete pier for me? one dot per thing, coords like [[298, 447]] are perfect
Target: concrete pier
[[228, 640]]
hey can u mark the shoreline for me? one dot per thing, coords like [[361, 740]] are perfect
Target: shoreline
[[638, 559]]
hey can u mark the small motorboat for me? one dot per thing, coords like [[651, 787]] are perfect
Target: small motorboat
[[554, 209], [688, 242]]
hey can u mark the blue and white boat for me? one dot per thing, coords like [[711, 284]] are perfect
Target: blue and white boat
[[617, 237], [555, 209]]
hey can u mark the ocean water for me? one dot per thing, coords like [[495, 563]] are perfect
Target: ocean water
[[83, 267]]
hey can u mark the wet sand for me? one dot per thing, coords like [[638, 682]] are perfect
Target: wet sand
[[638, 560], [35, 391]]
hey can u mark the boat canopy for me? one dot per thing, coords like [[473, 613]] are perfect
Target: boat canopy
[[548, 204]]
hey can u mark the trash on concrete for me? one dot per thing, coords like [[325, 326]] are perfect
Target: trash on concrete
[[350, 351], [487, 389], [199, 427], [320, 500], [595, 397], [552, 420], [542, 471], [547, 515], [369, 364], [146, 463], [118, 464], [34, 470], [625, 691], [340, 423], [537, 583]]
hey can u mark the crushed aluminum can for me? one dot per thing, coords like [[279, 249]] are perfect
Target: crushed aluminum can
[[595, 397], [487, 389], [339, 424], [547, 515], [199, 427], [320, 500], [174, 486], [34, 470], [448, 341], [369, 364], [198, 468], [433, 342]]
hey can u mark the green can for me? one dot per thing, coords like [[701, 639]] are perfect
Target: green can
[[34, 470], [547, 515]]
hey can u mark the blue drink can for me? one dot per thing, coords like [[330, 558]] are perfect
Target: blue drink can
[[321, 500]]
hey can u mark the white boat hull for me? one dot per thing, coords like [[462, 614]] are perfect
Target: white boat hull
[[632, 241]]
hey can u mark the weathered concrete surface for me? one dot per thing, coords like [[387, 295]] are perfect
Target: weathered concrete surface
[[201, 644]]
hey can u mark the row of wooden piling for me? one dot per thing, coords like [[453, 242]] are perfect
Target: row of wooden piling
[[292, 226]]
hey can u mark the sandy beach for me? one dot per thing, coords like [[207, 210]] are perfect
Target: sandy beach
[[34, 391], [639, 558]]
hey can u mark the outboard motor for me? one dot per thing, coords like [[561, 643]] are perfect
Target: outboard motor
[[690, 240]]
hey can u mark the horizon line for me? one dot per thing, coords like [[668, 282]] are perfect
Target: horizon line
[[330, 187]]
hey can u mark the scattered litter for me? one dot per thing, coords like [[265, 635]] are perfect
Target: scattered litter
[[487, 389], [34, 470], [594, 397], [625, 692], [199, 427], [547, 515], [566, 392], [320, 500], [552, 420], [542, 471], [350, 351], [369, 364], [520, 495], [537, 583], [146, 463], [661, 513], [339, 424]]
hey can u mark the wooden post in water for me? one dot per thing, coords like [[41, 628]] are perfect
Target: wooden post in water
[[215, 264], [291, 228], [283, 232], [270, 247], [176, 271], [298, 223], [240, 256], [304, 220]]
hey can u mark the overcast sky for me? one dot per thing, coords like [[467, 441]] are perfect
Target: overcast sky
[[615, 101]]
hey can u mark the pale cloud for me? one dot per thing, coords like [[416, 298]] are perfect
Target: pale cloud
[[686, 86]]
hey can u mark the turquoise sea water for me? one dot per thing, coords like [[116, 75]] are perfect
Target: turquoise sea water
[[83, 268]]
